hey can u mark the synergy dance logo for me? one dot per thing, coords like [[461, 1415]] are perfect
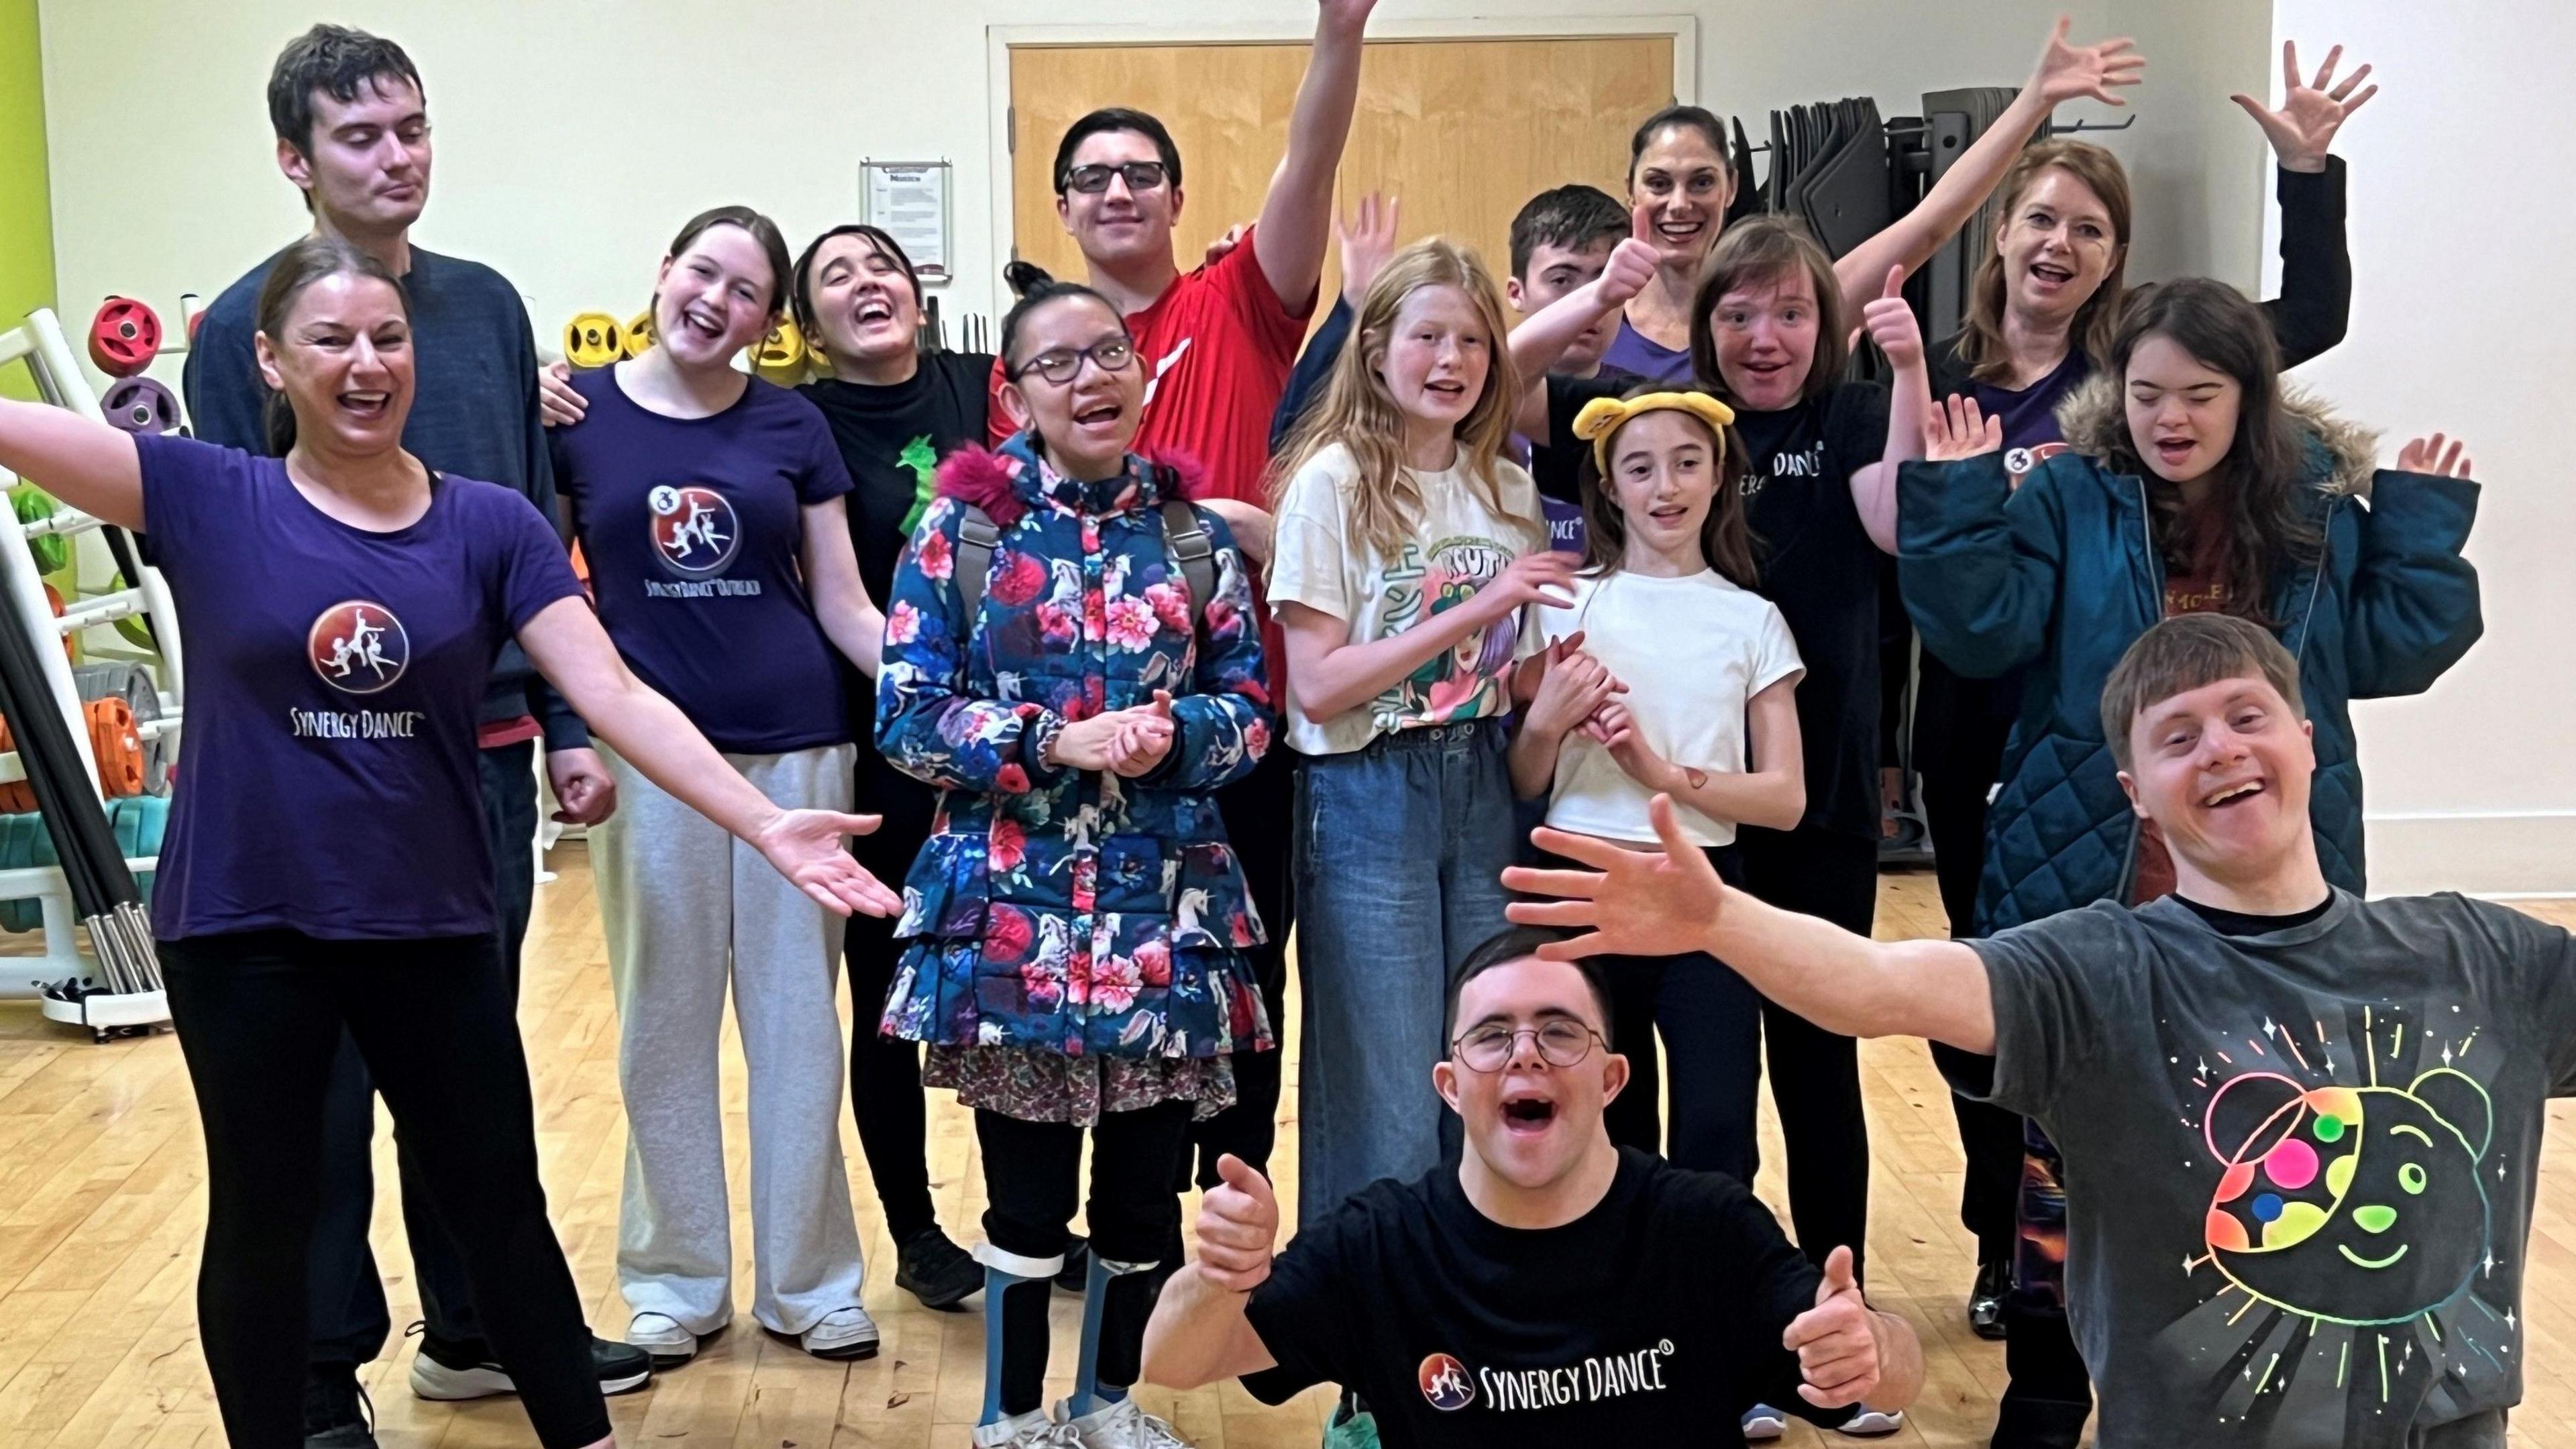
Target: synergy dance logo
[[358, 646], [693, 528]]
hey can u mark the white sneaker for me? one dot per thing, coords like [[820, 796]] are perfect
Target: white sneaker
[[1032, 1430], [844, 1333], [1119, 1426], [1872, 1423], [663, 1337], [1763, 1423]]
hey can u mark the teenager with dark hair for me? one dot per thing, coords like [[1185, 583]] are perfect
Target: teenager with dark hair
[[2301, 1128], [895, 411], [1071, 660], [327, 876], [352, 131], [1551, 1286], [2191, 483], [712, 507]]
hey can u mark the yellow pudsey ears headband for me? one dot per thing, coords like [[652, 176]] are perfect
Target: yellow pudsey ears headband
[[1604, 416]]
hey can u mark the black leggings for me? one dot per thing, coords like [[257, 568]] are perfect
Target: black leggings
[[1710, 1020], [260, 1015], [1815, 1074], [1032, 1176], [885, 1072]]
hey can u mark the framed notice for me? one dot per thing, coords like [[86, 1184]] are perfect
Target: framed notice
[[910, 200]]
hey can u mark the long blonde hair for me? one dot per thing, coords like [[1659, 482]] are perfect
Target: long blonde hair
[[1358, 412]]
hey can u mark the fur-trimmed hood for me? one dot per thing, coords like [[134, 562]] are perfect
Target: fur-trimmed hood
[[2342, 455], [1004, 481]]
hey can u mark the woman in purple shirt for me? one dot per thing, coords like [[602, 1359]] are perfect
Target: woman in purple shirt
[[712, 508], [326, 862]]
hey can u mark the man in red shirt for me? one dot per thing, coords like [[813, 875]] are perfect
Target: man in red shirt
[[1217, 344]]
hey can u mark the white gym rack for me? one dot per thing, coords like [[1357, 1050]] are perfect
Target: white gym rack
[[59, 380]]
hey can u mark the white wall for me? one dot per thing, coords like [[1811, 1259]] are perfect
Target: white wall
[[2461, 211], [575, 136]]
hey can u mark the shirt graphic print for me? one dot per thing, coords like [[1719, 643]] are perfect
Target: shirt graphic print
[[1465, 681]]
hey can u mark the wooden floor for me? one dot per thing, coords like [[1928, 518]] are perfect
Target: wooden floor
[[101, 1202]]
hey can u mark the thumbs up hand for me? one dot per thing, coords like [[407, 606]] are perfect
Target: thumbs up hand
[[1631, 266], [1238, 1223], [1837, 1340], [1890, 323]]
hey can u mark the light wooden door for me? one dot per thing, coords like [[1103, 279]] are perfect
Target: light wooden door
[[1464, 131]]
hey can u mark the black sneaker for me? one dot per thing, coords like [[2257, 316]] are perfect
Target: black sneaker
[[936, 1271], [1986, 1300], [450, 1369], [336, 1412], [1075, 1275]]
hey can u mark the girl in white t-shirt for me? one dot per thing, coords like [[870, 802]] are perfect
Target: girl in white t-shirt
[[1669, 676], [1405, 547]]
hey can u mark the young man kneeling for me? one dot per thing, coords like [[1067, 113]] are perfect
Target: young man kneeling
[[1549, 1289], [2301, 1130]]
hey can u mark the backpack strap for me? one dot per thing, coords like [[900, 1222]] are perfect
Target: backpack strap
[[976, 539], [1197, 553]]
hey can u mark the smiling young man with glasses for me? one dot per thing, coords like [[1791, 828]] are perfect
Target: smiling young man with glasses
[[1550, 1285]]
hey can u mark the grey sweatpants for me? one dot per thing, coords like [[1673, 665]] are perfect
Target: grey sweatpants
[[685, 908]]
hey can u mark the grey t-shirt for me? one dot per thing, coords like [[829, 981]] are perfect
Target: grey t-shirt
[[2299, 1166]]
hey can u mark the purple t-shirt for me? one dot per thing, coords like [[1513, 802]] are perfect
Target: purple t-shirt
[[329, 783], [2029, 414], [694, 529], [1633, 351]]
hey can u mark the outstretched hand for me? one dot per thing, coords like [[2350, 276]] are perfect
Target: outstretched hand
[[1960, 429], [1837, 1340], [1238, 1224], [2067, 72], [2303, 129], [1635, 902], [2429, 455], [807, 847], [1367, 240]]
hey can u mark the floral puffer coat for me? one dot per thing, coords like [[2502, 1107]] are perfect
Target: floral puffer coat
[[1070, 910]]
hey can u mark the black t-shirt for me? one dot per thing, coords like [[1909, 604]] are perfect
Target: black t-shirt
[[892, 438], [1653, 1319], [1557, 464], [1818, 565]]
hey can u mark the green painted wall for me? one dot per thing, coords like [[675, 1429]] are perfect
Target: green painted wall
[[26, 203]]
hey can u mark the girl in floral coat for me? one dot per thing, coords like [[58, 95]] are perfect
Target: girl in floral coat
[[1076, 923]]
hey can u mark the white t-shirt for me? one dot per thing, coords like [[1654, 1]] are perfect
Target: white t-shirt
[[1459, 546], [1692, 651]]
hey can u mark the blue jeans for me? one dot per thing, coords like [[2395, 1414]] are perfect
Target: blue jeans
[[1399, 857], [349, 1319]]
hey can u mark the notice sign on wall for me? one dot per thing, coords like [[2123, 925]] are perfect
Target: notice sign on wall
[[910, 200]]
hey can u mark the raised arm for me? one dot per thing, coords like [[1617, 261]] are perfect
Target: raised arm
[[1297, 215], [1890, 323], [1544, 335], [850, 619], [2415, 607], [1199, 1333], [1668, 902], [2064, 73], [2315, 304], [82, 461], [566, 643]]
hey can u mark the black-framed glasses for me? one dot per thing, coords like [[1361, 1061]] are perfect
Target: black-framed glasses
[[1093, 179], [1562, 1042], [1109, 354]]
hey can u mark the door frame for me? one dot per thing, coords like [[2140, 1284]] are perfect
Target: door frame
[[1000, 40]]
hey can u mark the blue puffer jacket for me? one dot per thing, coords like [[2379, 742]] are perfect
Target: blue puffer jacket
[[2059, 578]]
